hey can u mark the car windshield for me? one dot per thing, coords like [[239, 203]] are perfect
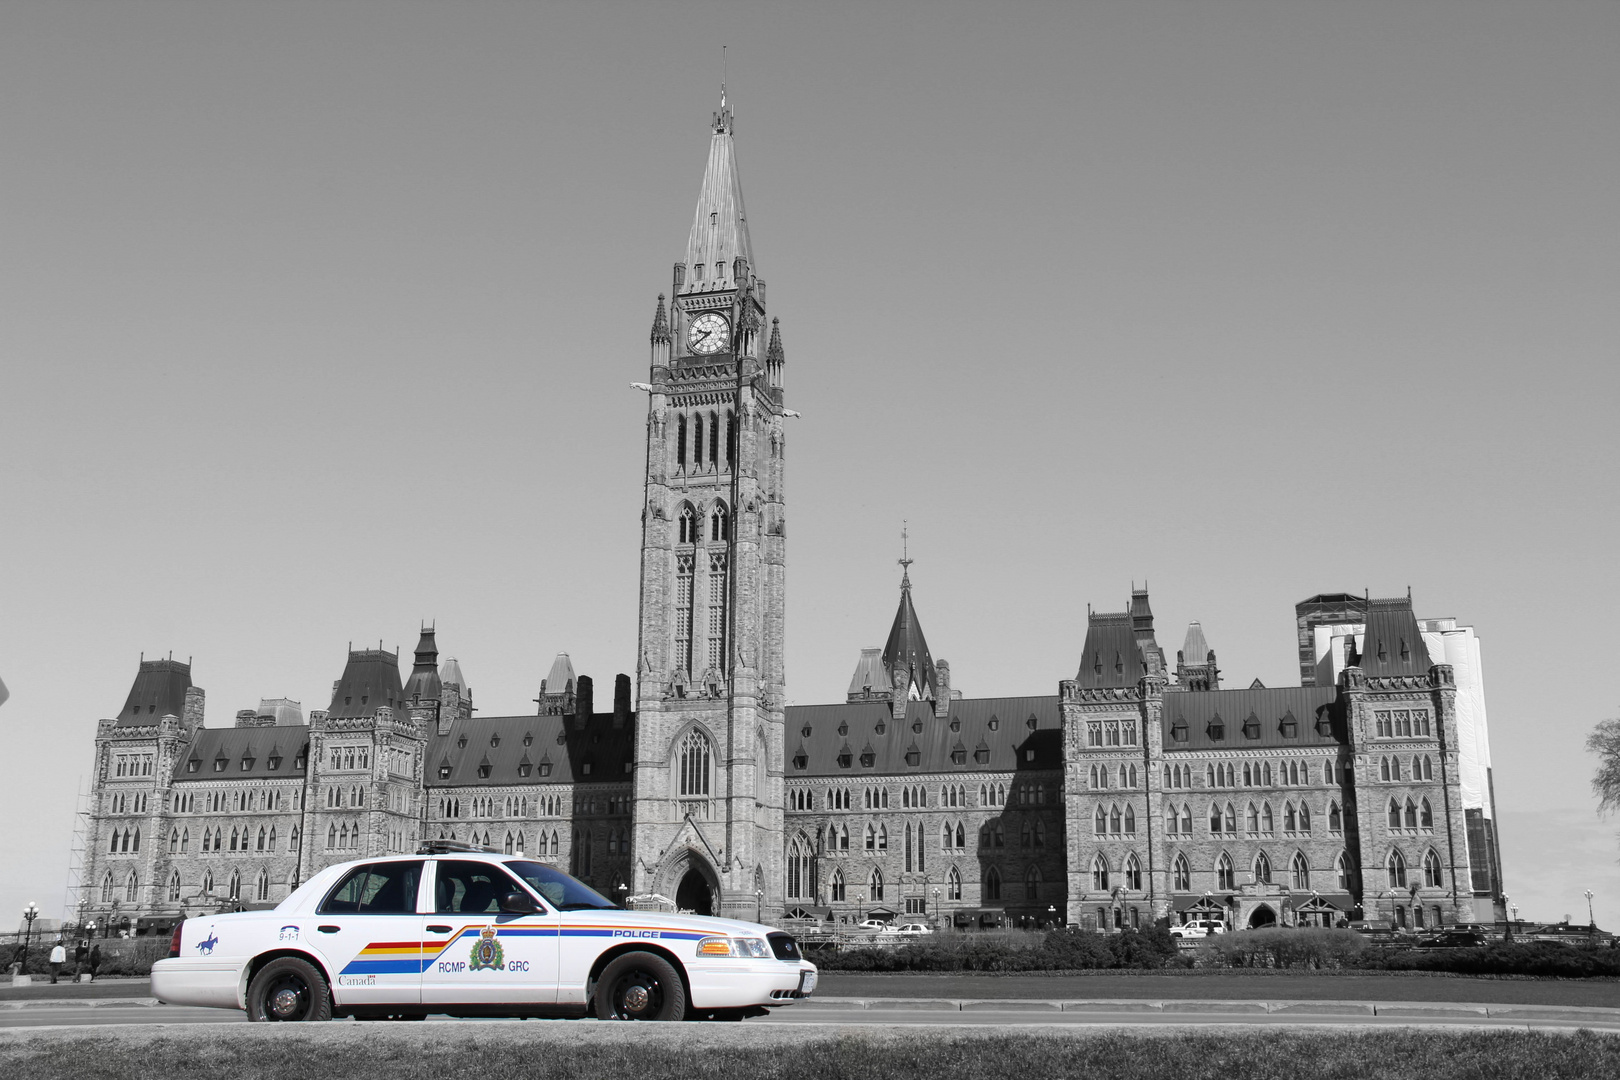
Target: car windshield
[[561, 891]]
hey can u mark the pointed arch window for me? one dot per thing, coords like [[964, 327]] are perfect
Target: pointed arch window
[[1425, 814], [1302, 872], [185, 839], [1341, 872], [696, 763], [1304, 819], [1032, 883], [1133, 873], [1432, 874], [1215, 818], [1394, 814], [1224, 877], [720, 523], [1186, 819], [1262, 869], [107, 888], [263, 891], [1335, 818], [1130, 820], [1267, 822], [132, 887], [1183, 874], [1115, 820], [1099, 873], [953, 885], [1251, 819], [1411, 814], [1395, 869], [799, 864], [174, 887], [874, 885], [689, 529]]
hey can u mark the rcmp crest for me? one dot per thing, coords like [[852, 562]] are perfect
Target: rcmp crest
[[487, 953]]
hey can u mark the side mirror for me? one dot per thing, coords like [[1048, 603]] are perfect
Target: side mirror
[[517, 903]]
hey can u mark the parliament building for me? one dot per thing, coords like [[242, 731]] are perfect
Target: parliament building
[[1141, 789]]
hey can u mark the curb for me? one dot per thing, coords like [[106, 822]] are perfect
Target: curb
[[1414, 1009]]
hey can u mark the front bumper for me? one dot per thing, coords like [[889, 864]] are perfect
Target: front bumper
[[211, 984], [736, 985]]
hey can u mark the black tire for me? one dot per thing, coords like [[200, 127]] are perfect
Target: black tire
[[289, 989], [640, 986]]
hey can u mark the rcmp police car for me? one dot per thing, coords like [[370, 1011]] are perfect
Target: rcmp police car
[[470, 932]]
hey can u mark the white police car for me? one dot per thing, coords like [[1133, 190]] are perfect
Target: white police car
[[474, 933]]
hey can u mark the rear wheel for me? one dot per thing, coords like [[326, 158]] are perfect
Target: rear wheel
[[289, 989], [640, 986]]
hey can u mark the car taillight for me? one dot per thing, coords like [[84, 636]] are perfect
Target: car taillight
[[174, 942]]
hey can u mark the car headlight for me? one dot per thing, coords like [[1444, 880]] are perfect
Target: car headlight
[[742, 947]]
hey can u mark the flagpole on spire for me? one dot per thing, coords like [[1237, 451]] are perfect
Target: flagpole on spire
[[905, 555]]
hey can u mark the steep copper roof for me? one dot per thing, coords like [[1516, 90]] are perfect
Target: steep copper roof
[[1111, 657], [424, 680], [370, 680], [159, 690], [1393, 644], [720, 224], [906, 645], [992, 735], [1195, 650], [244, 754], [500, 746], [1313, 710]]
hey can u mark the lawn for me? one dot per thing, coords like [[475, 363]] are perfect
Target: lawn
[[1229, 985], [564, 1051]]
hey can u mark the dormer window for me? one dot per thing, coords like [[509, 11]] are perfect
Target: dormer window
[[1032, 723], [697, 271], [845, 759], [913, 757], [247, 764], [995, 724], [483, 771], [1406, 653], [1288, 727], [916, 727], [444, 772], [801, 760], [1251, 727], [805, 731], [525, 768], [959, 755], [273, 762], [462, 742], [843, 729], [495, 740], [528, 739], [545, 768], [956, 725], [1178, 730], [1216, 728], [219, 764], [298, 762], [881, 727], [982, 754], [193, 765], [585, 768]]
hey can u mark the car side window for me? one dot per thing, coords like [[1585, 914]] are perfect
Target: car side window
[[376, 889], [471, 888]]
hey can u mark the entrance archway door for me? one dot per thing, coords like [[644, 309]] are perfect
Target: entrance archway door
[[1263, 916], [693, 893]]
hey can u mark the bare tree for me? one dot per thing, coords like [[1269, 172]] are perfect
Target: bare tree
[[1604, 741]]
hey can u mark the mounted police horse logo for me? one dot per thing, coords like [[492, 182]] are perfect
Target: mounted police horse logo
[[487, 952], [206, 945]]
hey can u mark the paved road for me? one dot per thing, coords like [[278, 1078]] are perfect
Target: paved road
[[970, 1013]]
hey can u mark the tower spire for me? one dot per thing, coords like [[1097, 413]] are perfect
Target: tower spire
[[905, 556], [719, 235]]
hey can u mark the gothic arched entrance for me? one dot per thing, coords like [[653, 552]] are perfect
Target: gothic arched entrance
[[693, 893], [1262, 916]]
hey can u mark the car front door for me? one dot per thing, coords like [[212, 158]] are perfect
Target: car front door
[[369, 932], [475, 953]]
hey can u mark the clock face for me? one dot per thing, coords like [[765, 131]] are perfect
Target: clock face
[[709, 333]]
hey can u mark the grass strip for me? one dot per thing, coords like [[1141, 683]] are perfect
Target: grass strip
[[565, 1051]]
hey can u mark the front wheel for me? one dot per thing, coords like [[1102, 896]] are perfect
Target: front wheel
[[289, 989], [640, 986]]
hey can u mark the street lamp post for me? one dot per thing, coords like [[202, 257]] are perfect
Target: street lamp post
[[759, 905], [860, 904], [938, 918], [30, 913], [1590, 919], [1509, 909]]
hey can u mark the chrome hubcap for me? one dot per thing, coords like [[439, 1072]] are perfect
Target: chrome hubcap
[[635, 998], [284, 1002]]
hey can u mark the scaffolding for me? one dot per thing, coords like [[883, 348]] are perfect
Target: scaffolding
[[74, 899]]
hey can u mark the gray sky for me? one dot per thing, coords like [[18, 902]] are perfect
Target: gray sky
[[318, 321]]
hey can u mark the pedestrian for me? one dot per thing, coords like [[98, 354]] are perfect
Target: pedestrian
[[95, 961], [58, 958], [81, 955]]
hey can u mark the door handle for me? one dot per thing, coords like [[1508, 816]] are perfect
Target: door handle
[[438, 929], [328, 929]]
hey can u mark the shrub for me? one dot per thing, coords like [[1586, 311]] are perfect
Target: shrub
[[1286, 947], [1549, 959], [1012, 950]]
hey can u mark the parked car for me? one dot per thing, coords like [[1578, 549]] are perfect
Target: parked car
[[913, 929], [1452, 939], [1198, 928], [874, 925], [474, 933]]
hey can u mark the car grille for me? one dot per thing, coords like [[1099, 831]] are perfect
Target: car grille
[[783, 946]]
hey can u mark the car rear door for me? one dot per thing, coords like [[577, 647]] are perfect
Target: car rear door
[[478, 954], [369, 932]]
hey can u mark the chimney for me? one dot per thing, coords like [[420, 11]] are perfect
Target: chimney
[[584, 701], [194, 707], [621, 700], [942, 703], [901, 692]]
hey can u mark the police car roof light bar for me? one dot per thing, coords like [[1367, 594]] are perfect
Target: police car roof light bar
[[445, 847]]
